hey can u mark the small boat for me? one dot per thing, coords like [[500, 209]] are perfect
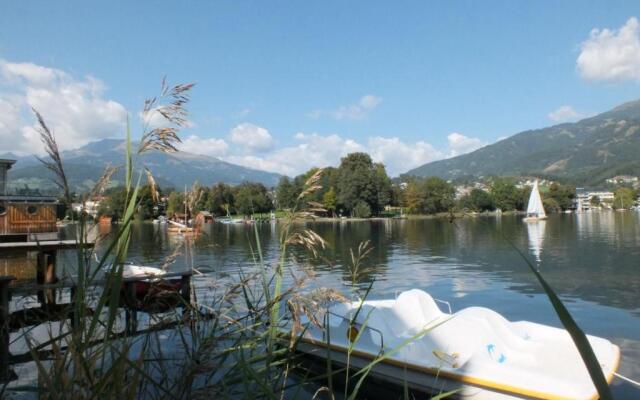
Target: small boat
[[475, 350], [177, 227], [145, 288], [535, 209]]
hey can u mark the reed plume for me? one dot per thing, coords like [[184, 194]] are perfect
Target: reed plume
[[55, 165], [171, 106]]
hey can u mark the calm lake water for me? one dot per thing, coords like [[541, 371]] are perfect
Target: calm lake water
[[592, 260]]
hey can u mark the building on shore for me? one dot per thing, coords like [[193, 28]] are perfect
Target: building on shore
[[25, 218], [585, 198], [623, 179]]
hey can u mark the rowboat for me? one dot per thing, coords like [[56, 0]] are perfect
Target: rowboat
[[475, 351]]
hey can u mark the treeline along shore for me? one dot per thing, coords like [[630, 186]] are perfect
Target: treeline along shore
[[357, 188]]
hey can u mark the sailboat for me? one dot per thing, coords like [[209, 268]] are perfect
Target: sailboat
[[535, 209]]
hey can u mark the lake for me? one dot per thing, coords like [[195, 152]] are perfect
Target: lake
[[590, 259]]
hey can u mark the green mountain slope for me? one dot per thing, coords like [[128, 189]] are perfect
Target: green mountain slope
[[85, 165], [585, 152]]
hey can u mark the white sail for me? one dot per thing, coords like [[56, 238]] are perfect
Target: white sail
[[535, 207]]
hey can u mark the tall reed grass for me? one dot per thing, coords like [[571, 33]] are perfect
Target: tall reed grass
[[230, 346]]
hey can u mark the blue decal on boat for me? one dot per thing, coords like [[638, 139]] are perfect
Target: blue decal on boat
[[490, 348]]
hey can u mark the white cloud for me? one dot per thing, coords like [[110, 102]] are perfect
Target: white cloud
[[399, 157], [564, 113], [460, 144], [253, 137], [357, 111], [74, 109], [611, 55], [316, 150], [213, 147]]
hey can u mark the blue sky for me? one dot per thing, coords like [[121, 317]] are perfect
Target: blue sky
[[287, 85]]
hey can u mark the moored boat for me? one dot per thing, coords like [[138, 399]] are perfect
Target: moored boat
[[148, 288], [475, 351]]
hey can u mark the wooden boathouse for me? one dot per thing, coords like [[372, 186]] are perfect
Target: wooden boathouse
[[25, 218]]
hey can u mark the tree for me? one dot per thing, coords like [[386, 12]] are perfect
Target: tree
[[383, 187], [624, 198], [220, 199], [286, 194], [329, 201], [477, 200], [362, 210], [439, 196], [114, 203], [360, 180], [252, 198], [563, 195], [551, 204], [147, 205], [175, 203], [595, 201], [429, 196], [505, 194], [412, 197]]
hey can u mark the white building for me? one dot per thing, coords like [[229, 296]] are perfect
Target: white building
[[583, 197]]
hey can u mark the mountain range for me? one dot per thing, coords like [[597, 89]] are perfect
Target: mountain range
[[85, 165], [583, 153]]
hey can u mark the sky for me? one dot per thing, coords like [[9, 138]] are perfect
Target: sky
[[286, 86]]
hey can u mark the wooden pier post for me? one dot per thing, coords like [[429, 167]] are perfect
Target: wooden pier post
[[185, 293], [6, 373], [46, 274], [130, 304], [185, 288]]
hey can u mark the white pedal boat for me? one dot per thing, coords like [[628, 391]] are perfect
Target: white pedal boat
[[475, 350]]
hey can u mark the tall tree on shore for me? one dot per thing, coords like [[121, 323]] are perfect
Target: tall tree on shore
[[383, 187], [357, 181], [439, 195], [286, 193], [220, 198], [505, 194], [562, 195], [329, 201], [252, 198]]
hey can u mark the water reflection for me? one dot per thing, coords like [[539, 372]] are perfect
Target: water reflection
[[535, 231]]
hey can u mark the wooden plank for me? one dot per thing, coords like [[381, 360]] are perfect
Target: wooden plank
[[44, 245], [31, 288]]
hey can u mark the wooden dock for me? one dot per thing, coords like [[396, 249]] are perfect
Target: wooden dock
[[49, 311]]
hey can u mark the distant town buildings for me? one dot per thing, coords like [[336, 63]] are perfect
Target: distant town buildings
[[464, 190], [90, 207], [623, 179]]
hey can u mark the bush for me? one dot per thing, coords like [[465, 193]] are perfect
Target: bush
[[362, 210]]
